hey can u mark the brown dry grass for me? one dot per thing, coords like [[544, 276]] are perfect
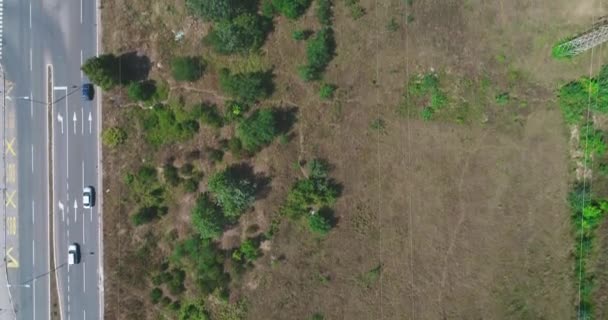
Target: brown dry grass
[[467, 221]]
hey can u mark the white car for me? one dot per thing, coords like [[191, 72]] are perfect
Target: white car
[[88, 197], [74, 254]]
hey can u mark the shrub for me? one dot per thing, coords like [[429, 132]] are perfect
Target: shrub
[[232, 192], [592, 141], [215, 155], [319, 224], [317, 316], [327, 91], [324, 12], [235, 110], [155, 295], [187, 68], [165, 301], [103, 70], [208, 114], [299, 35], [192, 311], [148, 214], [186, 169], [206, 260], [502, 98], [171, 175], [241, 34], [236, 147], [392, 25], [317, 190], [247, 252], [207, 218], [144, 187], [292, 9], [215, 10], [247, 87], [190, 185], [161, 126], [257, 130], [141, 90], [356, 11], [319, 52], [268, 9], [176, 284], [113, 136]]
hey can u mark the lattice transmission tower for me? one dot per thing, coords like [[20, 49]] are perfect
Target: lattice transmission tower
[[583, 42]]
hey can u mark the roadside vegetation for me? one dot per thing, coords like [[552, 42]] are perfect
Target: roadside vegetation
[[581, 101]]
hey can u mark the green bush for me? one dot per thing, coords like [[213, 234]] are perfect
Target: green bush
[[187, 68], [148, 214], [258, 130], [155, 295], [235, 110], [503, 98], [206, 260], [319, 224], [292, 9], [215, 155], [113, 136], [186, 169], [592, 141], [103, 70], [141, 90], [247, 87], [356, 11], [209, 115], [560, 51], [207, 218], [144, 187], [317, 316], [190, 185], [244, 33], [392, 25], [161, 126], [171, 174], [247, 252], [299, 35], [176, 284], [236, 147], [232, 192], [317, 191], [327, 91], [324, 13], [215, 10], [193, 311], [319, 52]]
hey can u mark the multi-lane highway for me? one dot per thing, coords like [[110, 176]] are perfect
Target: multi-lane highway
[[42, 38]]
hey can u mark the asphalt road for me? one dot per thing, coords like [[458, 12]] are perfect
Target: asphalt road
[[61, 34]]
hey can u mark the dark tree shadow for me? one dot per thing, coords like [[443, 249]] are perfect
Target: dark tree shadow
[[329, 214], [286, 117], [133, 67]]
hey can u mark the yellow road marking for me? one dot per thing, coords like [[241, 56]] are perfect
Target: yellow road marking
[[11, 225], [11, 261], [11, 173], [9, 199], [9, 146]]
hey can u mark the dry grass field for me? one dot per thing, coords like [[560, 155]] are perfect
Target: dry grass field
[[461, 217]]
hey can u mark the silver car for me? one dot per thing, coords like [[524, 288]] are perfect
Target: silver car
[[88, 197]]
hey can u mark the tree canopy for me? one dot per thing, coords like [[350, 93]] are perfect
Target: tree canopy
[[215, 10], [257, 130], [207, 218], [103, 70], [247, 86], [243, 33], [187, 68], [292, 9], [232, 192]]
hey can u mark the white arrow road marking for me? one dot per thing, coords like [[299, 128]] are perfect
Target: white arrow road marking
[[74, 119], [90, 120], [60, 119], [60, 205], [75, 207]]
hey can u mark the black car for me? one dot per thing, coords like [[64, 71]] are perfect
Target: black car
[[88, 91]]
